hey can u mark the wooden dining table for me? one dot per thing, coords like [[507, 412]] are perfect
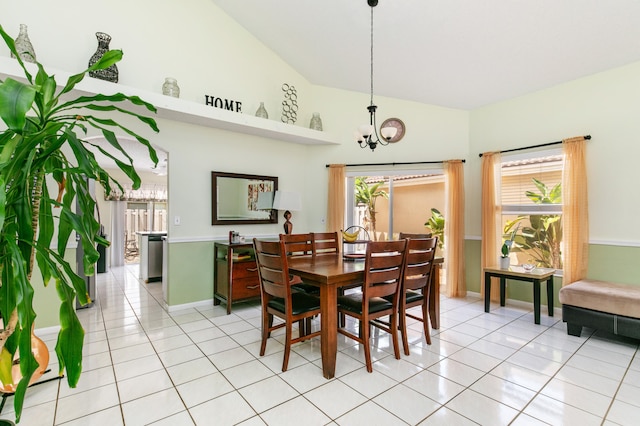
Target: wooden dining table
[[330, 272]]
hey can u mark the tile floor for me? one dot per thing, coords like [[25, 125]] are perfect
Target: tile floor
[[143, 365]]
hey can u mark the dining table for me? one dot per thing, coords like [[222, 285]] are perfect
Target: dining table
[[330, 272]]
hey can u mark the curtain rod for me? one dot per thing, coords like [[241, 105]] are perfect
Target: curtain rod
[[586, 137], [393, 164]]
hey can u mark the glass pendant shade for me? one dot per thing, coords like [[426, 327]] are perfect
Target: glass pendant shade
[[388, 132]]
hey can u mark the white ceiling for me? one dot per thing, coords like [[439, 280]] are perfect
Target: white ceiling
[[453, 53]]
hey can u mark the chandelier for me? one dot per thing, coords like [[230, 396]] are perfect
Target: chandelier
[[367, 134]]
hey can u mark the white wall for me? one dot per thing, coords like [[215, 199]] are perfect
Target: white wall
[[604, 105]]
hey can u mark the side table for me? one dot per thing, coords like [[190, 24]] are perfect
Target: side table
[[535, 276]]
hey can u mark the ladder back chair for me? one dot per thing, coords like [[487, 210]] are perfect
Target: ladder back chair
[[279, 300], [384, 266], [416, 283]]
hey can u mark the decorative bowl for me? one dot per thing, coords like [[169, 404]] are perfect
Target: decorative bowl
[[528, 266]]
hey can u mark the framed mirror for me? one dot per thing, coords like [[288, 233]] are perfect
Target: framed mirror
[[242, 198]]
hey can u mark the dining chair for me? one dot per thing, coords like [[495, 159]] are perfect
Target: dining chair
[[383, 269], [278, 299], [325, 243], [299, 245], [404, 235], [416, 284]]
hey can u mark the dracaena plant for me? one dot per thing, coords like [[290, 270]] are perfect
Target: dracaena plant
[[41, 146]]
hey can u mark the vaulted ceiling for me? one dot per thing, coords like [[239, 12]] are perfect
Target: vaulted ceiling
[[453, 53]]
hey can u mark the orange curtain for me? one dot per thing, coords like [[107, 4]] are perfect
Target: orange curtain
[[454, 229], [336, 196], [575, 211], [491, 215]]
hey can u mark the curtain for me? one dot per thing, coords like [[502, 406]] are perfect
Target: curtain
[[454, 229], [575, 211], [491, 217], [336, 196]]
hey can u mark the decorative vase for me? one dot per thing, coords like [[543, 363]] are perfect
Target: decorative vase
[[504, 262], [24, 46], [40, 353], [110, 73], [316, 122], [262, 111], [170, 87]]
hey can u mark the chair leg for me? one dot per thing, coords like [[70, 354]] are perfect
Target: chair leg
[[267, 320], [365, 330], [394, 335], [287, 346], [425, 323], [403, 332]]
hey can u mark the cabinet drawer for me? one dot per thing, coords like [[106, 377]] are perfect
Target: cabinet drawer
[[245, 270], [245, 287]]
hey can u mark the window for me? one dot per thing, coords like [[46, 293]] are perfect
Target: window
[[410, 196], [531, 198]]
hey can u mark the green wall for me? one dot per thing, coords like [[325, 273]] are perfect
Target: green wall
[[190, 272], [606, 262]]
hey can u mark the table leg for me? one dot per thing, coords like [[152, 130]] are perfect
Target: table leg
[[329, 332], [550, 295], [487, 291], [536, 301], [434, 298], [503, 291]]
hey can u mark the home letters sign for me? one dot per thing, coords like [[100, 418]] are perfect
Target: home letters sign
[[227, 104]]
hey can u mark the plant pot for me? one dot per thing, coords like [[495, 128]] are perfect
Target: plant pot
[[504, 262]]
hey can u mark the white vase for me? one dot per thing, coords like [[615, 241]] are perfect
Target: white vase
[[262, 111], [504, 262], [170, 87], [24, 46]]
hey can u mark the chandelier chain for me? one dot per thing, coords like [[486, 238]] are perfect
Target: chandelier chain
[[372, 56]]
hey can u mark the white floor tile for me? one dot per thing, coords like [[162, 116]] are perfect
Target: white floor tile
[[504, 391], [555, 412], [247, 373], [204, 389], [456, 372], [200, 366], [335, 398], [152, 407], [144, 385], [82, 404], [481, 409], [446, 416], [578, 397], [295, 412], [369, 413], [623, 414], [268, 393], [407, 404], [228, 409]]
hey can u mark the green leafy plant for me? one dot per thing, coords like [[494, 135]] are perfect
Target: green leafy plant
[[368, 194], [508, 244], [542, 239], [43, 144], [436, 225]]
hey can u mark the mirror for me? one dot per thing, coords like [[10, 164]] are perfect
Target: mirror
[[242, 198]]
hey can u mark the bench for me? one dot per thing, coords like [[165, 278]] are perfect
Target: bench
[[602, 305]]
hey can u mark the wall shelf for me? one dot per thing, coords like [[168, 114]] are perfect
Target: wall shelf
[[183, 110]]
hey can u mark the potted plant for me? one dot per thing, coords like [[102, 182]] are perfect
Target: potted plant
[[42, 147], [436, 226], [506, 249], [367, 195]]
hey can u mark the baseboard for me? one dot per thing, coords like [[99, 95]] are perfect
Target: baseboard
[[199, 304]]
